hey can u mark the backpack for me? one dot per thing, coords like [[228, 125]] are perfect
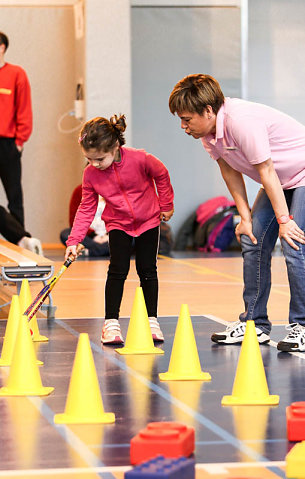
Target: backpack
[[216, 229], [166, 239], [185, 235]]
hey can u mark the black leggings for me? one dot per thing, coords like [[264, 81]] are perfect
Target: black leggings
[[146, 249]]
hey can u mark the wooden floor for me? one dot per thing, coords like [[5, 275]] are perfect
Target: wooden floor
[[211, 286]]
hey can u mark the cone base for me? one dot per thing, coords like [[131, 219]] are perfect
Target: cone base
[[105, 418], [237, 401], [5, 391], [182, 377], [126, 350], [40, 339]]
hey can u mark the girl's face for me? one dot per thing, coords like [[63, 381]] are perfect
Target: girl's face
[[101, 160]]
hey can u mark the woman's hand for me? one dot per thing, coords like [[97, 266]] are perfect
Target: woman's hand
[[289, 232], [245, 228], [166, 215]]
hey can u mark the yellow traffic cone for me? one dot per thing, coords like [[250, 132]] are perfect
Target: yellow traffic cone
[[250, 384], [184, 362], [25, 299], [84, 403], [24, 377], [295, 461], [11, 330], [139, 339]]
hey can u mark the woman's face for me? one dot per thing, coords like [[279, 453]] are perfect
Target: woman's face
[[197, 125], [99, 159]]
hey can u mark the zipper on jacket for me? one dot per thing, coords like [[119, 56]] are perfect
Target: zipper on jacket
[[126, 198]]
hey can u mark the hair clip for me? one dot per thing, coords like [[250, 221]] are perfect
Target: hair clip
[[82, 137]]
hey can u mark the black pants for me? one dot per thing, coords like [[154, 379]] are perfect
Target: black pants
[[95, 249], [10, 175], [146, 248], [10, 228]]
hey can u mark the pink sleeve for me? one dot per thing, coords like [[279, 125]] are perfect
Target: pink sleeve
[[251, 136], [157, 170], [85, 213]]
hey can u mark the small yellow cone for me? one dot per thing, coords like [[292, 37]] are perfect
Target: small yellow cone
[[10, 332], [295, 461], [25, 299], [24, 377], [84, 403], [139, 339], [250, 384], [184, 362]]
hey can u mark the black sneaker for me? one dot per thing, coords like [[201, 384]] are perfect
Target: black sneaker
[[235, 333], [295, 339]]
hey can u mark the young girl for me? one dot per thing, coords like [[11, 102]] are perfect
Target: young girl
[[126, 178]]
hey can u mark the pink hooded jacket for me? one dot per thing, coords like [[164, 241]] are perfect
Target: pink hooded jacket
[[129, 190]]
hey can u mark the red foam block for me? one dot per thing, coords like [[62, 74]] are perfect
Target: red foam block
[[171, 439], [295, 416]]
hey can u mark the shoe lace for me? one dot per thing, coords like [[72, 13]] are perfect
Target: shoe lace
[[234, 325], [294, 330]]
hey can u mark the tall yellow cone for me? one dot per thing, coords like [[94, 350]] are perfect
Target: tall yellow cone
[[295, 461], [24, 377], [25, 299], [84, 403], [10, 332], [250, 384], [139, 339], [184, 362]]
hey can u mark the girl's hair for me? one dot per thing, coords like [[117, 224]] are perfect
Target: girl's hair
[[102, 134], [194, 93]]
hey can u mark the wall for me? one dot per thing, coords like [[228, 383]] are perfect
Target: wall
[[42, 41]]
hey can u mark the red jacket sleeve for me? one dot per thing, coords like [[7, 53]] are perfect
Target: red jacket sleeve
[[24, 116]]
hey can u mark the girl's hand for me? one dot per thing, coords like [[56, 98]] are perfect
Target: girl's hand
[[289, 232], [71, 250], [166, 215], [245, 228]]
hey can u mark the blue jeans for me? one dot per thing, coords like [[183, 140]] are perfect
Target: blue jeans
[[257, 260]]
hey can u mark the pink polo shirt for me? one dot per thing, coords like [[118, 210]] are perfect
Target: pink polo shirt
[[249, 133]]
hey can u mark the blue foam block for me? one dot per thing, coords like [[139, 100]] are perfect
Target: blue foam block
[[163, 468]]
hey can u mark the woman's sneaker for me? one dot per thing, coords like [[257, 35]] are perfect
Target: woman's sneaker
[[156, 332], [111, 332], [235, 333], [295, 339]]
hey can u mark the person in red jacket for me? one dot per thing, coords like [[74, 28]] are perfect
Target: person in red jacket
[[15, 128], [96, 239], [138, 194]]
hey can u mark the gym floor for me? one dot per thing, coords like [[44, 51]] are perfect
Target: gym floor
[[231, 442]]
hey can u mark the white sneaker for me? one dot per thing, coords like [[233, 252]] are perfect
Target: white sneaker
[[295, 339], [32, 244], [235, 333], [111, 332], [156, 332]]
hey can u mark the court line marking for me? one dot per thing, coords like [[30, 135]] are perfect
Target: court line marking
[[67, 434], [172, 281], [217, 468], [200, 418]]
